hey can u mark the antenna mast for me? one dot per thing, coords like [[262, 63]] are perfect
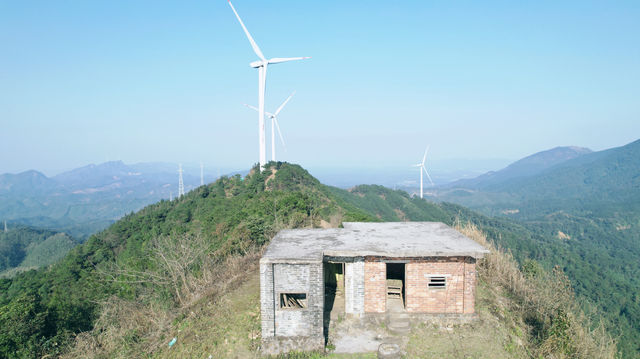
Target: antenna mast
[[201, 174], [180, 182], [5, 227]]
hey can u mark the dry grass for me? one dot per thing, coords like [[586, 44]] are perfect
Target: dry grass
[[139, 329], [125, 329], [225, 328], [545, 302]]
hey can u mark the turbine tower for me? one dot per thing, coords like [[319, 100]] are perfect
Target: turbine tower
[[201, 174], [423, 168], [261, 65], [180, 182], [275, 125]]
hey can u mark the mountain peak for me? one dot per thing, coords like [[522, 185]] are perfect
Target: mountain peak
[[553, 156], [30, 179], [577, 149]]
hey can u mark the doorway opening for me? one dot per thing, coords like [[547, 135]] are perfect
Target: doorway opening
[[395, 287], [334, 297]]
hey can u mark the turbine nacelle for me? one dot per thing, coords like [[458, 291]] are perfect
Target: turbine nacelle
[[276, 60]]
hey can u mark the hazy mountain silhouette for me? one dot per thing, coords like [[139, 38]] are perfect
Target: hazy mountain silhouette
[[525, 167]]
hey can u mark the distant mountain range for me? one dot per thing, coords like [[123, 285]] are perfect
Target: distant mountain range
[[570, 179], [528, 166], [87, 199]]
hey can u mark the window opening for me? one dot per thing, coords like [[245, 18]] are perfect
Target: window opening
[[437, 282], [293, 300]]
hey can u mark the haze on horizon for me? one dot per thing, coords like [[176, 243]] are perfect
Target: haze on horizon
[[85, 82]]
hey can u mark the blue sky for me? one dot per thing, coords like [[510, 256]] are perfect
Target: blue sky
[[86, 81]]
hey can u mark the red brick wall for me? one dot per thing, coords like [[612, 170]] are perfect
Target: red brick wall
[[457, 297], [420, 298], [469, 288], [375, 287]]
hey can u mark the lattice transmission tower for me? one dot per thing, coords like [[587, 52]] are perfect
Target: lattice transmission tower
[[180, 182], [201, 174]]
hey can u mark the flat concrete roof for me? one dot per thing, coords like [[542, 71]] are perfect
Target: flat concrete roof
[[358, 239]]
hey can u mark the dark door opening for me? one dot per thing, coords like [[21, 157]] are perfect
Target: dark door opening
[[395, 286], [334, 299]]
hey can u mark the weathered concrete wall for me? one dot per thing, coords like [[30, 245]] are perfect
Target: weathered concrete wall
[[280, 345], [421, 298], [267, 300], [288, 329], [375, 287], [299, 278], [354, 287]]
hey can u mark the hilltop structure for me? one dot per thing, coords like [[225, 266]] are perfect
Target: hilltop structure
[[362, 270]]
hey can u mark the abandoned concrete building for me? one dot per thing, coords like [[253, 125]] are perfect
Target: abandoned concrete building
[[422, 268]]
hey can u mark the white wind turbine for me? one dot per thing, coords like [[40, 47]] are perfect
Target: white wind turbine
[[274, 125], [423, 168], [261, 65]]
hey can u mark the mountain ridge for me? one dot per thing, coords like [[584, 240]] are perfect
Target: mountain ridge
[[527, 166]]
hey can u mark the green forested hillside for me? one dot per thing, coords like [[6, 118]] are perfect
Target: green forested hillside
[[159, 258], [23, 248]]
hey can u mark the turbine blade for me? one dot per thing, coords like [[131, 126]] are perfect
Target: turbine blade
[[275, 120], [277, 60], [429, 177], [424, 158], [284, 103], [266, 113], [255, 47], [252, 107]]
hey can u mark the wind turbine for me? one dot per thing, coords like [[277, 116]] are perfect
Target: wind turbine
[[261, 65], [274, 125], [423, 168]]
